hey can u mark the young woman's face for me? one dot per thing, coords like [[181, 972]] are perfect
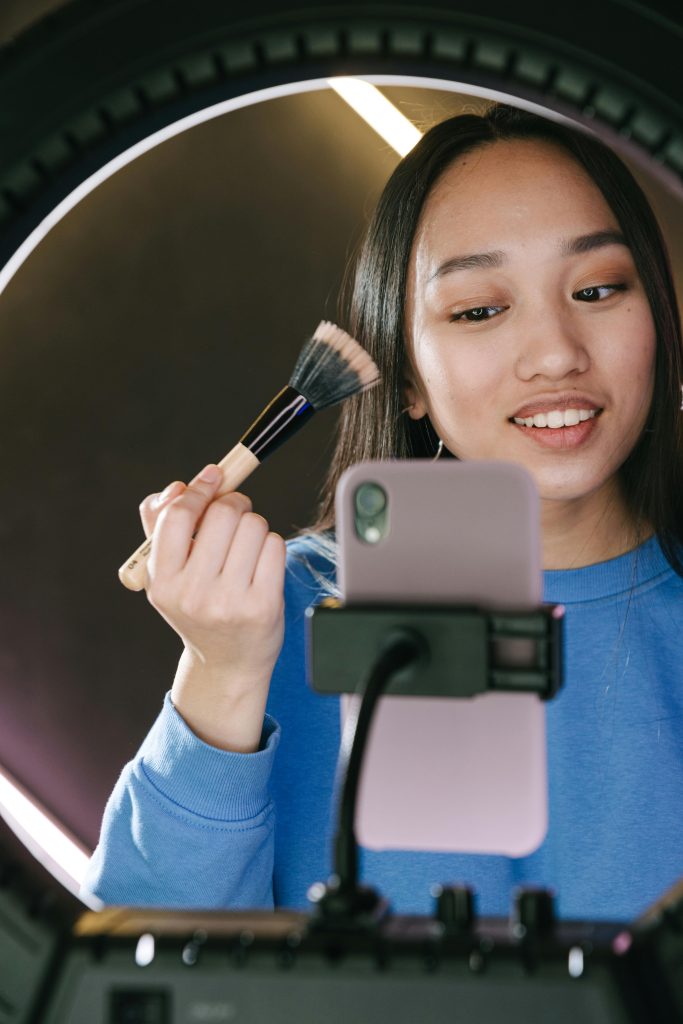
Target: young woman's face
[[524, 306]]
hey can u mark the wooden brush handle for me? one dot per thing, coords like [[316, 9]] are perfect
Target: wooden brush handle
[[237, 465]]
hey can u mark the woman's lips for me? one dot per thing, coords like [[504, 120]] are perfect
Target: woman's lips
[[558, 401], [560, 437]]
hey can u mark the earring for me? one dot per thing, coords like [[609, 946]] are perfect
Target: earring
[[439, 450]]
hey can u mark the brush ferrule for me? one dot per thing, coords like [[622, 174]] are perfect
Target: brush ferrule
[[281, 418]]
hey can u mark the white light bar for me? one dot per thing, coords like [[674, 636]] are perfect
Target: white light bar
[[379, 112], [48, 841]]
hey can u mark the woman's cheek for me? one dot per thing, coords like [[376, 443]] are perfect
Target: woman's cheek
[[459, 393], [466, 373]]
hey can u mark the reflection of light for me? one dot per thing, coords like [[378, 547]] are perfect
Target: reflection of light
[[49, 843], [380, 114], [144, 951], [575, 964], [622, 943]]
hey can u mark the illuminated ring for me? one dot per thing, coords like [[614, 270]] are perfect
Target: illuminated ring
[[98, 78]]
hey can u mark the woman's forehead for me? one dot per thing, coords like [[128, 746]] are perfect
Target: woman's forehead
[[506, 191], [520, 202], [506, 162]]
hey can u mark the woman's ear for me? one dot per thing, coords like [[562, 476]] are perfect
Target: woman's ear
[[413, 403]]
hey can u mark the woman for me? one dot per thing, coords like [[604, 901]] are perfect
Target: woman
[[514, 290]]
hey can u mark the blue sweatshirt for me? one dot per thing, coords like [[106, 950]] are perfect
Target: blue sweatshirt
[[189, 825]]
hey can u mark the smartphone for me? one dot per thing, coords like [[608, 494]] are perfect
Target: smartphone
[[447, 774]]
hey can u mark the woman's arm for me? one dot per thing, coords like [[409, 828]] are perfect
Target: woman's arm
[[190, 822], [188, 825], [216, 575]]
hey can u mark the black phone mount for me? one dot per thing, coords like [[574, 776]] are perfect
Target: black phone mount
[[461, 650], [439, 651]]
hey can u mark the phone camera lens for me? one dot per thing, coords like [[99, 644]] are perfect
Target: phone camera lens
[[371, 499]]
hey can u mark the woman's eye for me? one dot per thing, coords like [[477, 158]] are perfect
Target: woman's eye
[[598, 292], [477, 314]]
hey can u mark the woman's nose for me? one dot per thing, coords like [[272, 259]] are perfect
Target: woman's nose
[[552, 347]]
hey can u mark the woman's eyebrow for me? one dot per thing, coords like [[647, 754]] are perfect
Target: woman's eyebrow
[[470, 262], [587, 243], [496, 258]]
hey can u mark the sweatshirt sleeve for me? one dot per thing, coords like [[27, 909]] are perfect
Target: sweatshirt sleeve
[[188, 825], [191, 826]]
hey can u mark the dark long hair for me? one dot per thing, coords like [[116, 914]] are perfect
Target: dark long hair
[[371, 425]]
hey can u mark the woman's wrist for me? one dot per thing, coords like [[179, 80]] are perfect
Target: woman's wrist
[[222, 706]]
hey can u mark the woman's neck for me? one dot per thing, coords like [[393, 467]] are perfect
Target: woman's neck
[[587, 530]]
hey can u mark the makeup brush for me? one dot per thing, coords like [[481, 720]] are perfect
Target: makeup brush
[[331, 366]]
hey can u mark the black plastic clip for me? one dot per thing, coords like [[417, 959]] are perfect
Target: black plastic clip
[[466, 651]]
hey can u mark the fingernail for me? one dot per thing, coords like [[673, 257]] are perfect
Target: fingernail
[[209, 474]]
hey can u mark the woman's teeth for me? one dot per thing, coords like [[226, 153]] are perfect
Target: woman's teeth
[[556, 418]]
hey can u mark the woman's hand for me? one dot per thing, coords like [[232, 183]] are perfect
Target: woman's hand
[[222, 592]]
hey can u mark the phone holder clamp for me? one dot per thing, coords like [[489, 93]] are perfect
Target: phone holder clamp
[[426, 651], [465, 651]]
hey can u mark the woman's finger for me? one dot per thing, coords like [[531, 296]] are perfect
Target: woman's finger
[[215, 537], [177, 523], [269, 574], [154, 503], [244, 552]]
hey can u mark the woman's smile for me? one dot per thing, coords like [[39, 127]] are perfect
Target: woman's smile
[[560, 430], [563, 421]]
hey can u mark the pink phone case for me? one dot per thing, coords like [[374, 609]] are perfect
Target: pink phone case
[[448, 774]]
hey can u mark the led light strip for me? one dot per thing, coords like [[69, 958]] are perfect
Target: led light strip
[[386, 119], [48, 841]]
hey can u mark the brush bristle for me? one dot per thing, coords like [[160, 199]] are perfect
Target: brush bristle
[[332, 366]]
